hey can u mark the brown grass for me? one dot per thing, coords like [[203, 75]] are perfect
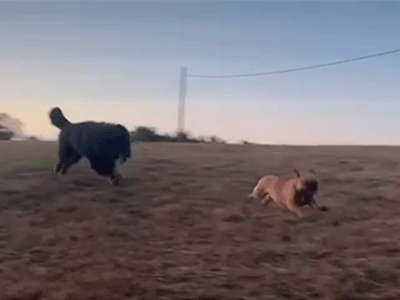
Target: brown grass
[[181, 227]]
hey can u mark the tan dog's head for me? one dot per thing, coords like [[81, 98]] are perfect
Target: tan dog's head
[[307, 188]]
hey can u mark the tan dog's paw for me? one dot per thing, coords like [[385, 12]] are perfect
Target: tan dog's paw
[[324, 208]]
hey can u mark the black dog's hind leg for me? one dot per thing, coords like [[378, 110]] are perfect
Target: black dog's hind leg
[[106, 167]]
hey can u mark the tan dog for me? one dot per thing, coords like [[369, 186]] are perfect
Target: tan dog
[[288, 193]]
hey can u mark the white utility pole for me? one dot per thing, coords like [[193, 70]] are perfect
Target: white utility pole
[[182, 96]]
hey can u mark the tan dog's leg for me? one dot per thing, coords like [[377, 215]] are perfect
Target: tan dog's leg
[[298, 213], [266, 200], [295, 210], [251, 196]]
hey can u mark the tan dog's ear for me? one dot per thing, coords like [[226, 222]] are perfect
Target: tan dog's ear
[[297, 172]]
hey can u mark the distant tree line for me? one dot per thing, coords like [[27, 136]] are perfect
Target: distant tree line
[[9, 127], [149, 134], [5, 133]]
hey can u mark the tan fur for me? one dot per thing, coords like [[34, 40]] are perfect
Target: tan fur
[[288, 193]]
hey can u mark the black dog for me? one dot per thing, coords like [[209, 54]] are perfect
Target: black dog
[[101, 143]]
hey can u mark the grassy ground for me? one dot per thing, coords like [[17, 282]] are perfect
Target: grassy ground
[[180, 226]]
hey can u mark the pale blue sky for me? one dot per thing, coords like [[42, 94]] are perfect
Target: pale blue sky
[[119, 62]]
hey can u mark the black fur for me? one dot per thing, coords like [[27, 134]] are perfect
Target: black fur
[[101, 143]]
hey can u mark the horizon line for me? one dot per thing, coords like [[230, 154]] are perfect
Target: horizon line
[[36, 139]]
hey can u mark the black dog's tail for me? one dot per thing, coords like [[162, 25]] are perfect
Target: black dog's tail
[[57, 118]]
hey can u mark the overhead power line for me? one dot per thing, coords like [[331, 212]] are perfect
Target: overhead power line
[[301, 68]]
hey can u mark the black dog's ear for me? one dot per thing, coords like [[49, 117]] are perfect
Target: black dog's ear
[[297, 172]]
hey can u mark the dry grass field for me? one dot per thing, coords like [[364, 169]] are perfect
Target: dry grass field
[[181, 227]]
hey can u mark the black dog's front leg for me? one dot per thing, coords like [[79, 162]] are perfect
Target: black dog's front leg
[[58, 167], [115, 178], [67, 156]]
